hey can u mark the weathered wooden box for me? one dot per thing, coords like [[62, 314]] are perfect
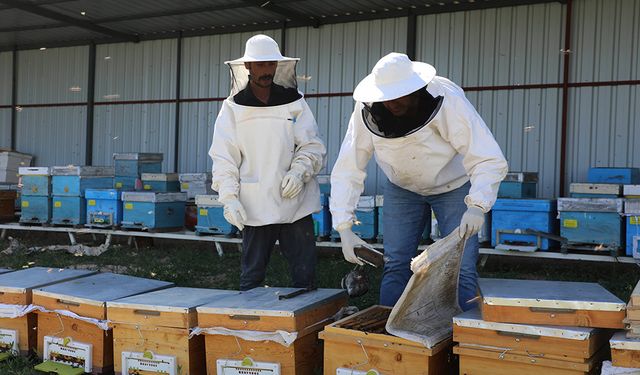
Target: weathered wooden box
[[541, 302], [16, 292], [7, 205], [35, 181], [625, 352], [288, 315], [151, 331], [569, 348], [512, 217], [589, 190], [104, 207], [160, 182], [595, 221], [614, 175], [74, 180], [136, 163], [322, 219], [68, 210], [211, 216], [86, 297], [35, 209], [359, 343], [195, 184], [144, 210]]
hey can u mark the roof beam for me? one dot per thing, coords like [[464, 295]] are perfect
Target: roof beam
[[42, 2], [270, 5], [71, 21]]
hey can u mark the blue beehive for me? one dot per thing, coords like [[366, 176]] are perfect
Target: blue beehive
[[72, 181], [160, 182], [322, 219], [518, 185], [518, 215], [195, 184], [367, 216], [125, 183], [146, 210], [591, 221], [632, 216], [614, 175], [35, 181], [104, 207], [68, 210], [136, 163], [589, 190], [36, 209], [426, 234], [324, 180], [211, 217]]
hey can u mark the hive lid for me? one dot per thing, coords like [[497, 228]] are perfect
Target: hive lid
[[154, 197], [178, 299], [23, 280], [139, 156], [87, 171], [548, 294]]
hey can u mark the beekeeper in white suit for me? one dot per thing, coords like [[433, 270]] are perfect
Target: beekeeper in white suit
[[436, 152], [266, 153]]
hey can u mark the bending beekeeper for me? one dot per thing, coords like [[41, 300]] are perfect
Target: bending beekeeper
[[266, 152], [436, 152]]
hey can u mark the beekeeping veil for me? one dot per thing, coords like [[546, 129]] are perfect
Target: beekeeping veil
[[262, 48]]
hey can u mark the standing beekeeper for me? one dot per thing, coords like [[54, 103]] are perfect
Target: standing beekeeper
[[266, 152], [436, 152]]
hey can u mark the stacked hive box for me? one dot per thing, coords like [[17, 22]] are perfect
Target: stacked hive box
[[632, 219], [359, 345], [267, 329], [19, 331], [73, 331], [104, 208], [625, 345], [532, 326], [518, 185], [8, 198], [367, 215], [69, 205], [211, 217], [591, 223], [522, 224], [130, 166], [160, 182], [195, 184], [153, 211], [151, 331], [36, 195]]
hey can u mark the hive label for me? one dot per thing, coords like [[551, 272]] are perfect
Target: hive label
[[570, 223], [148, 363], [91, 202], [128, 206], [204, 212], [147, 187], [246, 366], [25, 204], [118, 185], [57, 204], [9, 341], [68, 352], [634, 220], [185, 185]]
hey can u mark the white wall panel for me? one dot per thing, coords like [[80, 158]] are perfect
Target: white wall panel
[[6, 76], [54, 136], [55, 75], [334, 58], [204, 75], [134, 128]]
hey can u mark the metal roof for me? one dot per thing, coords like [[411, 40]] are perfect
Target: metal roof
[[28, 24]]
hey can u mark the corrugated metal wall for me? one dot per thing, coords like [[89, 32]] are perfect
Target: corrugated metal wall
[[6, 74], [54, 135], [501, 47], [604, 122], [334, 59], [204, 75], [142, 71]]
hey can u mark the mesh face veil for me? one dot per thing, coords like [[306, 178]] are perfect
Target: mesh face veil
[[284, 76]]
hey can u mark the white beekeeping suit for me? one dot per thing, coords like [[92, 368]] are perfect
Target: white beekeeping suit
[[255, 148]]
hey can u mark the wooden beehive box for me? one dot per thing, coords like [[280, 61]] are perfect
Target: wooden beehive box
[[359, 343], [267, 310], [151, 330], [578, 347], [86, 297], [16, 288], [541, 302], [7, 205], [625, 351]]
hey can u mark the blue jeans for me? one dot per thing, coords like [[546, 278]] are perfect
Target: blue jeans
[[405, 215]]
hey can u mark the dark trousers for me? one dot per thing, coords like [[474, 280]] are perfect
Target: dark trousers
[[297, 244]]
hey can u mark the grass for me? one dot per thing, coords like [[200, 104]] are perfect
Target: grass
[[196, 264]]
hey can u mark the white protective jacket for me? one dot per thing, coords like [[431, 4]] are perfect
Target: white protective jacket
[[455, 146], [252, 150]]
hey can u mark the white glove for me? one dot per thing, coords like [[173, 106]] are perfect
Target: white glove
[[349, 241], [471, 222], [235, 214], [291, 184]]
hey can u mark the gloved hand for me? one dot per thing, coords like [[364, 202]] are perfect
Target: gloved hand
[[471, 222], [292, 184], [235, 214], [349, 241]]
